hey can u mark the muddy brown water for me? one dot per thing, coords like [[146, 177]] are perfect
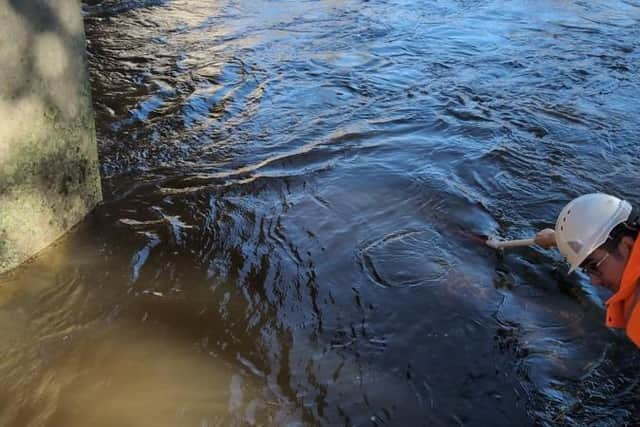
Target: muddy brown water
[[291, 187]]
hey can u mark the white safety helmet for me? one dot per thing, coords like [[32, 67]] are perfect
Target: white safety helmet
[[585, 223]]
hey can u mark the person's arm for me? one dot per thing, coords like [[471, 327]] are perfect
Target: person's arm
[[545, 238]]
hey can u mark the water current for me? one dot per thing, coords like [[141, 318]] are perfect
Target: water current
[[292, 195]]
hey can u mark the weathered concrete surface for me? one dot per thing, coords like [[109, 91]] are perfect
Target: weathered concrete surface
[[49, 171]]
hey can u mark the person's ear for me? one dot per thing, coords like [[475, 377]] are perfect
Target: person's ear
[[625, 246]]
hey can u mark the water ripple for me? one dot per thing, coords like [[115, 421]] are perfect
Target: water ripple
[[297, 199]]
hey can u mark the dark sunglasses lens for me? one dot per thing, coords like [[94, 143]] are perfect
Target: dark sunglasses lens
[[589, 266]]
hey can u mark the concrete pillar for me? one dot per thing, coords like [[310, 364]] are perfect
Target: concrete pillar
[[49, 171]]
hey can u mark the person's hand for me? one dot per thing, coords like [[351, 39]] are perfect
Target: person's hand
[[545, 238]]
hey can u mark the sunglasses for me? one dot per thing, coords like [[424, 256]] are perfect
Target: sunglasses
[[593, 266]]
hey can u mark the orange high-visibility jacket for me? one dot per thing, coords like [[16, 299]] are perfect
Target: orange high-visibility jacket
[[621, 302]]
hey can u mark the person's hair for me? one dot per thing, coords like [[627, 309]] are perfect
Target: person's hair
[[629, 228]]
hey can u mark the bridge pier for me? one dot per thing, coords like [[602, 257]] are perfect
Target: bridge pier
[[49, 168]]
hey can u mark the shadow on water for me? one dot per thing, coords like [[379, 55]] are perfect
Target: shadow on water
[[106, 8], [293, 194]]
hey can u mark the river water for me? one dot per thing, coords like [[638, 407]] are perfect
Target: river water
[[294, 191]]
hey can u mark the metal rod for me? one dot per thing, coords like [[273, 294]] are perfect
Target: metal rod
[[501, 244]]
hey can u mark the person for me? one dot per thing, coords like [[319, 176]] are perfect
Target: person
[[599, 234]]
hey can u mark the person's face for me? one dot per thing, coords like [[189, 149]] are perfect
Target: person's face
[[606, 268]]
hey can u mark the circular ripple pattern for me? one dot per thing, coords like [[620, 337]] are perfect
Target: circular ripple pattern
[[407, 259], [296, 194]]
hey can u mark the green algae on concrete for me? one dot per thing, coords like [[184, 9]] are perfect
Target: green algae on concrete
[[49, 170]]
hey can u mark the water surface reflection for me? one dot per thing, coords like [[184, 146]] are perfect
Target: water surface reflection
[[293, 190]]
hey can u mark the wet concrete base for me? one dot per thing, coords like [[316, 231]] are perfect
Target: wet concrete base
[[49, 172]]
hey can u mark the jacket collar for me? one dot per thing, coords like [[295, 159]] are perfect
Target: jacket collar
[[630, 275]]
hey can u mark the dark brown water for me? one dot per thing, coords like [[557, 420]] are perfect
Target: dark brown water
[[292, 190]]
